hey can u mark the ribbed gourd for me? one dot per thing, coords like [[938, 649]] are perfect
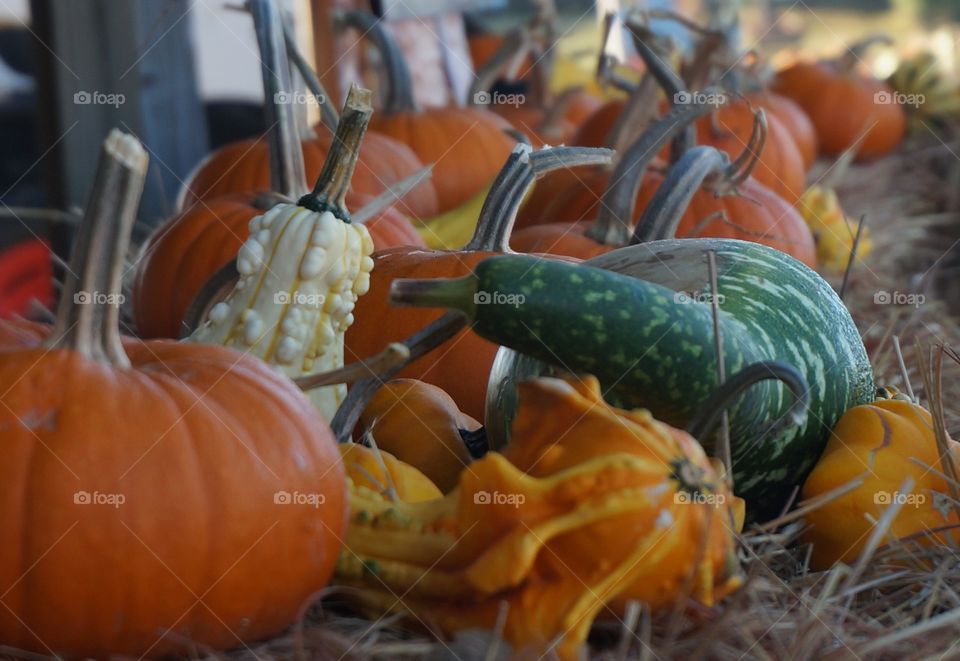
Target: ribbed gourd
[[301, 271]]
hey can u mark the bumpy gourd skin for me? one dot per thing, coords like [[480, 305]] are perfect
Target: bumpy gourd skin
[[590, 506], [293, 313]]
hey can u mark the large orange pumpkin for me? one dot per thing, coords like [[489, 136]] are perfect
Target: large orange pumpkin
[[154, 496], [461, 369], [844, 104]]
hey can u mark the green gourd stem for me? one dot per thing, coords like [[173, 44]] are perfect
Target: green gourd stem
[[606, 64], [419, 344], [848, 62], [704, 422], [666, 208], [743, 166], [613, 225], [287, 171], [328, 114], [332, 185], [523, 167], [639, 109], [399, 83], [88, 315]]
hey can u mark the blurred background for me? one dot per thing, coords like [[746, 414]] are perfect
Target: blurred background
[[183, 75]]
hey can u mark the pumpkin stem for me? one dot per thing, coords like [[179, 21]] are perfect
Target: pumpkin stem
[[606, 64], [330, 191], [855, 53], [287, 171], [328, 113], [399, 83], [395, 354], [741, 168], [666, 208], [475, 441], [88, 315], [705, 419], [504, 61], [613, 227], [506, 194], [420, 343]]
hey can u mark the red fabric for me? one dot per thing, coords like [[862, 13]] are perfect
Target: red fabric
[[26, 273]]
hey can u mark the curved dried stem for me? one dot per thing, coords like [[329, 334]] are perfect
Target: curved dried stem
[[329, 116], [418, 345], [705, 419], [743, 166], [614, 223], [666, 208], [399, 83], [522, 168]]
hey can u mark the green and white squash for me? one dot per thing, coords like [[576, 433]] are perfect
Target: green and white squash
[[649, 340], [301, 272]]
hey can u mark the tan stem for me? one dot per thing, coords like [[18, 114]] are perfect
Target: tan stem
[[287, 171], [418, 345], [88, 316], [330, 191], [328, 114], [744, 165], [522, 168], [395, 354]]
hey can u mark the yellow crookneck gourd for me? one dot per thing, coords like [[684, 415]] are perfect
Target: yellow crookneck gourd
[[385, 475], [833, 233], [927, 93], [590, 506], [301, 272], [884, 444]]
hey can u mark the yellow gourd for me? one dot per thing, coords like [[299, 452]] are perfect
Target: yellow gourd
[[882, 442], [832, 232]]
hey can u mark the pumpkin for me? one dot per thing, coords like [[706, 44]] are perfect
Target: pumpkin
[[419, 424], [380, 471], [185, 251], [885, 443], [845, 104], [116, 511], [793, 118], [301, 271], [465, 145], [462, 370], [754, 213], [590, 507]]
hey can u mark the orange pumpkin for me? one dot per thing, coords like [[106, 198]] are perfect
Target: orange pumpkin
[[116, 510], [844, 104], [882, 443], [420, 425], [466, 146], [462, 369]]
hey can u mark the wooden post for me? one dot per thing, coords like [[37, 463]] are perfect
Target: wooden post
[[130, 65]]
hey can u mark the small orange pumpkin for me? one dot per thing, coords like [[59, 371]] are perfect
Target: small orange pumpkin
[[420, 425]]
